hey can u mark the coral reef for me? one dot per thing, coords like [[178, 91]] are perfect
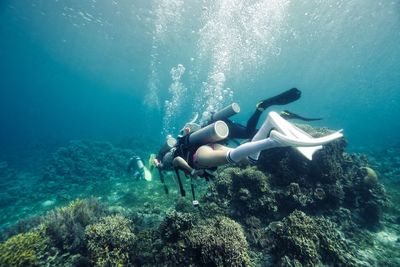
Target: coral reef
[[24, 249], [242, 192], [300, 239], [286, 211], [111, 241], [187, 240], [87, 161], [219, 242], [332, 180], [65, 226]]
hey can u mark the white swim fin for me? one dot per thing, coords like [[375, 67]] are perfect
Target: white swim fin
[[303, 142]]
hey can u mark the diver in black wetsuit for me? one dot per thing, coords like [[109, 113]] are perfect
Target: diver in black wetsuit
[[239, 131]]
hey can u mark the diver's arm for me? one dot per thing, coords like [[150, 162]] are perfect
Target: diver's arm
[[179, 162]]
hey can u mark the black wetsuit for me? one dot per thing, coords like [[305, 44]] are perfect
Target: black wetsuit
[[185, 150], [239, 131]]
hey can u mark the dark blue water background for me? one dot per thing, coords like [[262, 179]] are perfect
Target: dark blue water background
[[102, 69]]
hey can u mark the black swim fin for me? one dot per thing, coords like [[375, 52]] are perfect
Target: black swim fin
[[284, 98], [286, 114]]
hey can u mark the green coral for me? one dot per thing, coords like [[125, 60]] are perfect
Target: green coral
[[144, 248], [110, 242], [23, 249], [302, 239], [219, 242], [65, 226], [189, 241], [251, 194], [242, 192], [172, 231], [175, 224]]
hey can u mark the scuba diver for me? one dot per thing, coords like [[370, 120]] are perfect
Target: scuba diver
[[199, 149], [138, 169], [163, 160]]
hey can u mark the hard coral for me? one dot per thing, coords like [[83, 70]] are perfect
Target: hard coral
[[171, 243], [85, 161], [175, 224], [23, 249], [302, 239], [251, 194], [333, 179], [65, 226], [186, 240], [110, 242], [219, 242], [242, 192]]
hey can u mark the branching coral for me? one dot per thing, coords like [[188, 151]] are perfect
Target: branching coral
[[187, 240], [110, 242], [242, 192], [23, 249], [302, 239], [219, 242], [65, 226]]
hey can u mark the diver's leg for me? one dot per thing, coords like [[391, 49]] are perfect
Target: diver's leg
[[271, 122], [252, 123], [264, 130], [288, 134], [237, 130], [207, 157], [241, 152], [281, 99]]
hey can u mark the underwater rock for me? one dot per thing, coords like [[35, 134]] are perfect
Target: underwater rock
[[111, 241]]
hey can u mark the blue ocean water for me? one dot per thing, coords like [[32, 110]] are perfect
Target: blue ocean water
[[106, 69], [85, 85]]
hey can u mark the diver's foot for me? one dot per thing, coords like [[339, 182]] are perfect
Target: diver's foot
[[284, 98], [286, 114]]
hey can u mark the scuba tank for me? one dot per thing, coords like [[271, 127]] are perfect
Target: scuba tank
[[212, 133], [139, 173], [225, 113], [136, 164]]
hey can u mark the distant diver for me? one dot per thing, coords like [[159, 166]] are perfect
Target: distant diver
[[138, 169]]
